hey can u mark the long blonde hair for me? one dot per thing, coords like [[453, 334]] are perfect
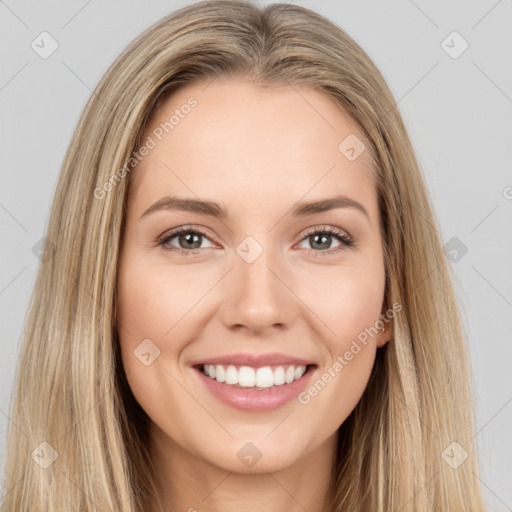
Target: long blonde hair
[[71, 391]]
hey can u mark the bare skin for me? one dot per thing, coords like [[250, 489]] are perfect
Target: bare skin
[[257, 153]]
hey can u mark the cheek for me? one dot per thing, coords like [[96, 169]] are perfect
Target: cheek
[[158, 311], [340, 383], [347, 299], [144, 314], [357, 306], [153, 300], [149, 304], [349, 303]]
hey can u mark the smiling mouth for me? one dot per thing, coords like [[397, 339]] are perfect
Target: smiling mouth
[[248, 377]]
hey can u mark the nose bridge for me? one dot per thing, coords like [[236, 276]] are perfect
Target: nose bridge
[[256, 297]]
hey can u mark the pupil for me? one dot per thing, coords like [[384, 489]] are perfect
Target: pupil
[[188, 238], [324, 243]]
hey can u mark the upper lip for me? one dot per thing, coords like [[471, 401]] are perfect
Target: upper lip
[[272, 359]]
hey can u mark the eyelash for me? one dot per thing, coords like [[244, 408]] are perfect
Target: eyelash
[[346, 241]]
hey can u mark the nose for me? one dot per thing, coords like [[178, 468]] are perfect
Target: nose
[[256, 297]]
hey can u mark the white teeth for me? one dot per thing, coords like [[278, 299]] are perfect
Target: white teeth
[[279, 376], [248, 377], [231, 375], [265, 377], [220, 373], [299, 372]]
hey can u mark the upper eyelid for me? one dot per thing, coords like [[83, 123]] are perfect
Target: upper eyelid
[[327, 228]]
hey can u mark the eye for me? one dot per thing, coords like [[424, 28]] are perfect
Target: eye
[[189, 240], [320, 239]]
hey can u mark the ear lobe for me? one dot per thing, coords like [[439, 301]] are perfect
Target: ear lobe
[[382, 340], [384, 335]]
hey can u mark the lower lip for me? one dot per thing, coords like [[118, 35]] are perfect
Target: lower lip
[[252, 399]]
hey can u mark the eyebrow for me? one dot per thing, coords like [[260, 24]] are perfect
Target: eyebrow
[[301, 209]]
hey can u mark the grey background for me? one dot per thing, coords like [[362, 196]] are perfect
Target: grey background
[[457, 110]]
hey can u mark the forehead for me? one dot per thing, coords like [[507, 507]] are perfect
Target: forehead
[[232, 141]]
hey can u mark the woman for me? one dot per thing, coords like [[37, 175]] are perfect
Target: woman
[[306, 352]]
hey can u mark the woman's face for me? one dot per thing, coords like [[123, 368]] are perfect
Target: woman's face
[[271, 278]]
